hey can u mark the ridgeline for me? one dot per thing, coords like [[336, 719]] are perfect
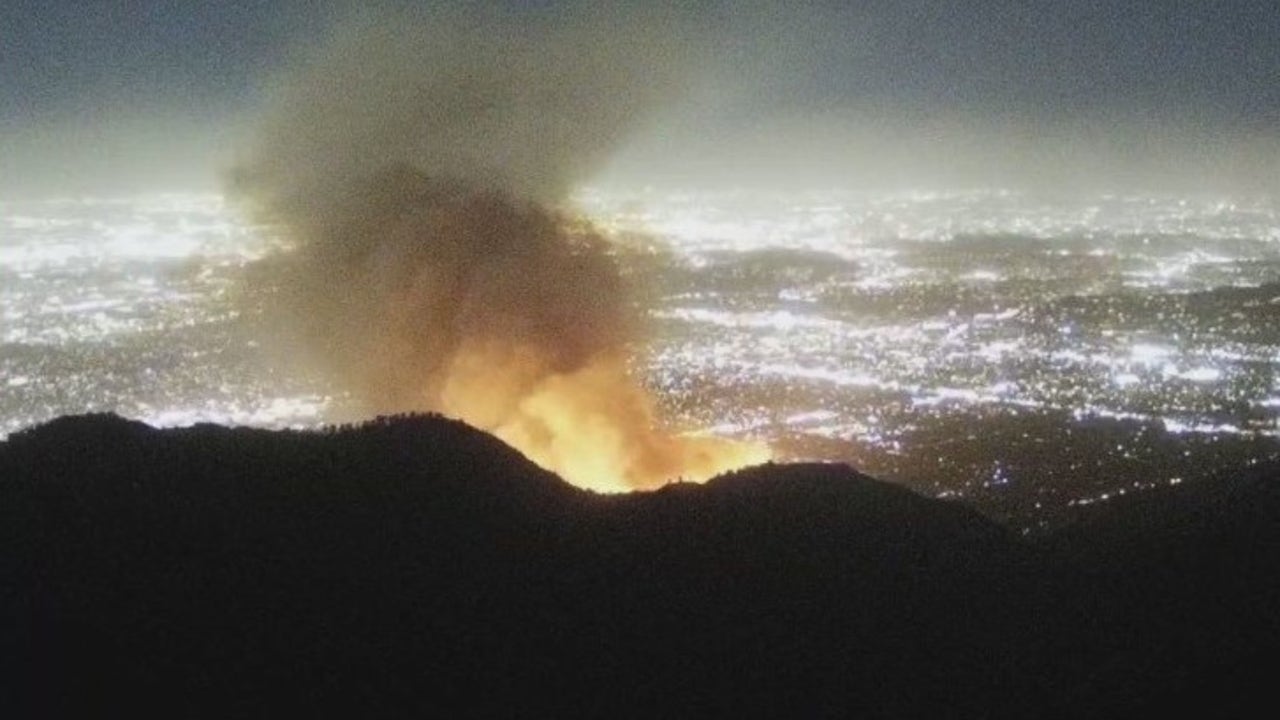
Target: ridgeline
[[418, 566]]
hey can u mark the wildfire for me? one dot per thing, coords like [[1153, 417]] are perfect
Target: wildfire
[[417, 172]]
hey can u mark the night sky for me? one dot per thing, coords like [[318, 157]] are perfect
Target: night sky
[[131, 79]]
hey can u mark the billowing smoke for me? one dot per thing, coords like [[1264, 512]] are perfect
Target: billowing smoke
[[420, 171]]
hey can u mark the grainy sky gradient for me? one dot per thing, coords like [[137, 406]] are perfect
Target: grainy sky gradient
[[123, 94]]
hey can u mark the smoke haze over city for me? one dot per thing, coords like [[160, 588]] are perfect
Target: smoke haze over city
[[1080, 95]]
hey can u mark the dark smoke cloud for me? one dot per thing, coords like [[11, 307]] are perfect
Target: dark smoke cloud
[[420, 168]]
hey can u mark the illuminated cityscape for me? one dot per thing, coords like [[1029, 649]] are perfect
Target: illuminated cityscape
[[1029, 355]]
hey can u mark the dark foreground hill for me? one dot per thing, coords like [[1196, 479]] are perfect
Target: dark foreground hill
[[418, 566]]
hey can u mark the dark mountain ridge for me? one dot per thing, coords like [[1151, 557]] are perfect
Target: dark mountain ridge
[[416, 565]]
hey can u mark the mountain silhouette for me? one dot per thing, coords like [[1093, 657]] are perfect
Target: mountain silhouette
[[415, 565]]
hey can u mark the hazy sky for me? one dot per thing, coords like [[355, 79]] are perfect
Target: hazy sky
[[153, 92]]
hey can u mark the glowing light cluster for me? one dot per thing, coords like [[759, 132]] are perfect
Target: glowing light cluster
[[803, 321]]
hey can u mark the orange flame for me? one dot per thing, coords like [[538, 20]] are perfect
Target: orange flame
[[595, 427]]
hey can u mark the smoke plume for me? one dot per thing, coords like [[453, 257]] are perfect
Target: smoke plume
[[419, 170]]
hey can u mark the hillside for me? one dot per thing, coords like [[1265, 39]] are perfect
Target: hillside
[[416, 565]]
